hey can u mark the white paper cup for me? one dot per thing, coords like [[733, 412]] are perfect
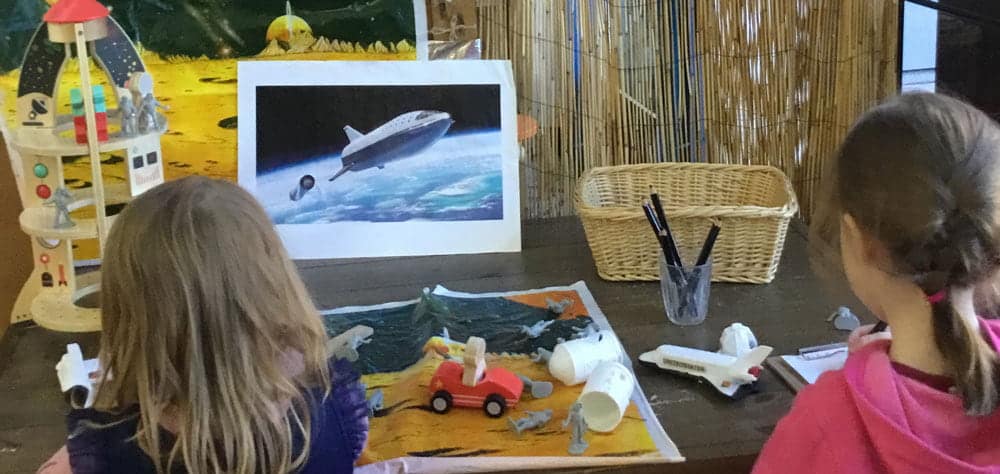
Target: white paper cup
[[573, 361], [606, 396]]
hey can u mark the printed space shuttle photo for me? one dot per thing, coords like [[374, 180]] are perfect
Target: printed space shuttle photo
[[379, 153]]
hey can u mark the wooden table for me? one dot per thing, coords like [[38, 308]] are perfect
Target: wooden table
[[714, 433]]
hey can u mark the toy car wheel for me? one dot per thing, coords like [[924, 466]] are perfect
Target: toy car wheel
[[494, 406], [441, 402]]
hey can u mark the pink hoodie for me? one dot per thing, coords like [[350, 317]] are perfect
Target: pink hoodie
[[869, 418]]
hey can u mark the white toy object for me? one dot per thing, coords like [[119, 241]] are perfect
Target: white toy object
[[74, 377], [737, 340], [345, 345], [572, 362], [474, 361], [606, 396], [726, 373]]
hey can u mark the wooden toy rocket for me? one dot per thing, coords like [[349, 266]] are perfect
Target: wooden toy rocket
[[74, 30]]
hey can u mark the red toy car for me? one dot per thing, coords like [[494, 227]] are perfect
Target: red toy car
[[498, 389]]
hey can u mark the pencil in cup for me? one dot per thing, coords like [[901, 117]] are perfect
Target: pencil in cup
[[685, 292], [665, 227]]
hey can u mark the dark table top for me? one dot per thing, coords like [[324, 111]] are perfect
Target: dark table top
[[714, 433]]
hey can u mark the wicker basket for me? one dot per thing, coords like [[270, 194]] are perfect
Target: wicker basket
[[752, 204]]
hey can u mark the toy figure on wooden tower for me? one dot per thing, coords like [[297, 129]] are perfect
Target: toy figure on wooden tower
[[75, 30]]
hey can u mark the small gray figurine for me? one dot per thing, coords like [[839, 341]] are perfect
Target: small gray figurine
[[148, 120], [844, 319], [539, 388], [129, 116], [61, 199], [538, 328], [558, 307], [585, 332], [542, 355], [375, 402], [577, 445], [535, 419]]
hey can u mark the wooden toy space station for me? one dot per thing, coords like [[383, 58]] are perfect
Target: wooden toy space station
[[78, 30]]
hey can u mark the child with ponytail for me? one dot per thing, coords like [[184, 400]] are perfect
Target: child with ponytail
[[913, 210]]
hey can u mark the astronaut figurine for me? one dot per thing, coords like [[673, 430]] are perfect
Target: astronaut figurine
[[535, 419], [61, 199], [148, 120], [577, 445], [129, 116]]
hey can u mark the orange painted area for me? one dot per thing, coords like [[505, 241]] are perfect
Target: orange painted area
[[537, 300], [409, 428]]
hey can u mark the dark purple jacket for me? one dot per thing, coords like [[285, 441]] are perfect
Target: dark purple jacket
[[102, 442]]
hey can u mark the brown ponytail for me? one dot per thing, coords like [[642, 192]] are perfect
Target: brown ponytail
[[920, 174], [972, 360]]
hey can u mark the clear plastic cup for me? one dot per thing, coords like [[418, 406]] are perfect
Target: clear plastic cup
[[685, 292]]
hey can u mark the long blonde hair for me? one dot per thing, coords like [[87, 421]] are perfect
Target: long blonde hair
[[201, 310]]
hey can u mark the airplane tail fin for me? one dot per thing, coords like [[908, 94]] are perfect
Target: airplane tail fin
[[352, 134], [751, 359]]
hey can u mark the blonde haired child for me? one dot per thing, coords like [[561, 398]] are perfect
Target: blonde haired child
[[212, 352]]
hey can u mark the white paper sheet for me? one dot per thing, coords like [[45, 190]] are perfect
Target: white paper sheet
[[306, 225], [810, 369]]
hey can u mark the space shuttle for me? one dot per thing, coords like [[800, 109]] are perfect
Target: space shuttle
[[725, 372], [402, 137]]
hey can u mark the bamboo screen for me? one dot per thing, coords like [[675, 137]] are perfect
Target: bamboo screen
[[728, 81]]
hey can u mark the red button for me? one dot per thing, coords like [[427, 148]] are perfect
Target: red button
[[44, 258], [43, 191]]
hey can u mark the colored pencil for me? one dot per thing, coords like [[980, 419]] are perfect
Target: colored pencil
[[651, 217], [706, 248], [662, 216]]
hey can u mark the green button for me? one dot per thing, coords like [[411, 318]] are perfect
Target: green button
[[41, 170]]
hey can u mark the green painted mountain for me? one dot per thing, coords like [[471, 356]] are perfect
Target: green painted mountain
[[401, 333]]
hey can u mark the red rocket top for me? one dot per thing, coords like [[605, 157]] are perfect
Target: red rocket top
[[75, 11]]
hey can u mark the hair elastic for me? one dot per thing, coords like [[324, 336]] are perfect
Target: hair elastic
[[937, 297]]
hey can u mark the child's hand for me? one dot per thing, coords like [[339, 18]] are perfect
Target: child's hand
[[860, 337]]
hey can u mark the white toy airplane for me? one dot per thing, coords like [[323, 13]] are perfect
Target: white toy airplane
[[726, 373]]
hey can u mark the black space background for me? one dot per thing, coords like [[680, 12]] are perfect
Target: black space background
[[218, 28], [297, 123]]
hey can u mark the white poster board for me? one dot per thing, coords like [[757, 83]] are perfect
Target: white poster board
[[376, 159]]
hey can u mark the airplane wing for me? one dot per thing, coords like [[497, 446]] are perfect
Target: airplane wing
[[728, 389]]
